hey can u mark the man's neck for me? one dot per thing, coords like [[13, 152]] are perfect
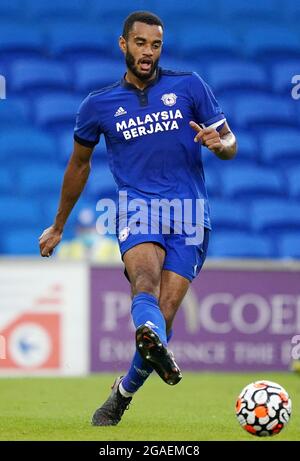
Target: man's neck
[[140, 84]]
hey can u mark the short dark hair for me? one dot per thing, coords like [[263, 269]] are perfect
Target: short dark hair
[[140, 16]]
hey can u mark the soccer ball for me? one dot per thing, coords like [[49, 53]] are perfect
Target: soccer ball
[[263, 408]]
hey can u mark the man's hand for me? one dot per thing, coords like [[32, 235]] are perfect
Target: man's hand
[[222, 143], [209, 137], [48, 240]]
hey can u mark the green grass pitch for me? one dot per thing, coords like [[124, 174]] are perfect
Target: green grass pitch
[[200, 407]]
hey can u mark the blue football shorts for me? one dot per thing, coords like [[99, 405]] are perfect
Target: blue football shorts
[[181, 258]]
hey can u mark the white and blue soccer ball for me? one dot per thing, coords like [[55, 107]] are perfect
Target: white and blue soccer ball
[[263, 408]]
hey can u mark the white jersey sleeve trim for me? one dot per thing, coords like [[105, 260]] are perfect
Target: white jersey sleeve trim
[[214, 125]]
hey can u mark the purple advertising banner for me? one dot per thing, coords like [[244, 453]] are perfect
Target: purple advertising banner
[[229, 320]]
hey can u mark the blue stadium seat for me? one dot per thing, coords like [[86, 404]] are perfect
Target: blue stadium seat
[[21, 144], [114, 13], [7, 181], [253, 110], [282, 73], [227, 103], [67, 10], [21, 242], [289, 245], [298, 105], [212, 182], [19, 211], [93, 74], [181, 14], [209, 39], [44, 177], [79, 39], [190, 65], [50, 207], [293, 178], [236, 11], [247, 154], [39, 73], [238, 244], [281, 147], [229, 214], [57, 109], [65, 145], [274, 215], [13, 111], [272, 40], [236, 75], [21, 38], [247, 147], [171, 49], [100, 181], [11, 10], [252, 182], [291, 11]]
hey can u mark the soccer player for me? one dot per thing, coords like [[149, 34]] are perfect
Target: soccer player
[[154, 122]]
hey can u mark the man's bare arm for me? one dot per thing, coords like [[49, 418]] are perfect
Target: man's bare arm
[[75, 178]]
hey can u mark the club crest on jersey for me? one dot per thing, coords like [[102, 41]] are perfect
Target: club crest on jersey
[[123, 234], [169, 99]]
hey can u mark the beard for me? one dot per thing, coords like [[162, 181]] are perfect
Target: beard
[[130, 62]]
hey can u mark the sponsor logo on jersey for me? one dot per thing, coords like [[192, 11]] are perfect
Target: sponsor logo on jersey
[[134, 127]]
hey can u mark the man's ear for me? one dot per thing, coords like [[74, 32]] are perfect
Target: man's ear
[[122, 44]]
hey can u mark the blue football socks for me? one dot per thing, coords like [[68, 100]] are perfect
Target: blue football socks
[[145, 310]]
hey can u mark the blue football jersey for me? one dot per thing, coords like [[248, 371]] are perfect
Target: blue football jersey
[[150, 145]]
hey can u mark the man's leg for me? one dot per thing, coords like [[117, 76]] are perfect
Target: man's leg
[[151, 338], [143, 264], [174, 286], [173, 289]]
